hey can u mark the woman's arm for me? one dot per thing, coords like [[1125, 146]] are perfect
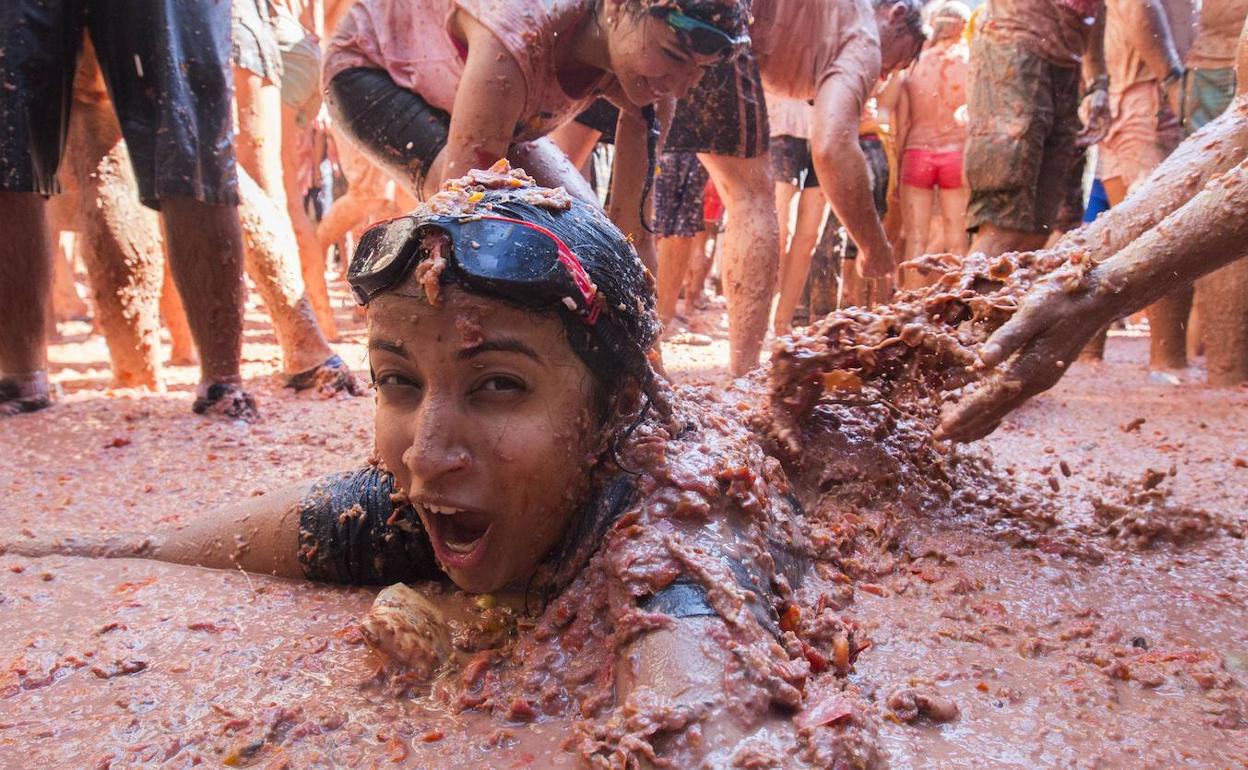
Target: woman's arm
[[260, 534], [628, 181], [343, 528], [901, 120], [684, 667], [488, 105], [1055, 319]]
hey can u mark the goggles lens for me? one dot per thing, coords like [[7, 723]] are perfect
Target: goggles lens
[[699, 37], [514, 258]]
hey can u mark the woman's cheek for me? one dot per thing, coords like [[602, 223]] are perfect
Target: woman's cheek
[[391, 444]]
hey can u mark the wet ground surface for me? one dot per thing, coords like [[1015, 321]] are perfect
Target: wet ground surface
[[1054, 658]]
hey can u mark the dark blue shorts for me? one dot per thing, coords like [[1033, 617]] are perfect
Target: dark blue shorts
[[167, 67]]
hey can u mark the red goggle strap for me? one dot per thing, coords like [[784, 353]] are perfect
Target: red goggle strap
[[568, 259]]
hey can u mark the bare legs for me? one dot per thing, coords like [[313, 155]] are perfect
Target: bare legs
[[271, 244], [751, 243], [1222, 302], [795, 260], [953, 214], [311, 255], [25, 290], [673, 255], [916, 216], [699, 269], [1167, 317], [205, 248]]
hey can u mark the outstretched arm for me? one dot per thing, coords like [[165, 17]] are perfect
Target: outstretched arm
[[260, 534], [488, 105], [1056, 318]]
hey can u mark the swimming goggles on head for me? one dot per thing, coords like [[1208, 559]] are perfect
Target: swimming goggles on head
[[510, 258], [698, 36]]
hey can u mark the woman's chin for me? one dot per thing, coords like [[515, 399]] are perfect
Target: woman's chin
[[474, 583]]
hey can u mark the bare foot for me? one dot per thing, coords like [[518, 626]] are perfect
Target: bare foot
[[226, 399], [327, 379], [24, 393]]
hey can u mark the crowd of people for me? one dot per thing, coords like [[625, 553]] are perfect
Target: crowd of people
[[839, 154], [890, 129]]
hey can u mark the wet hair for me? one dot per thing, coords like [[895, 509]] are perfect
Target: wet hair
[[913, 19]]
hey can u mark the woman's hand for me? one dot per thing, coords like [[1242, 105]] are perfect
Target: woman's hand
[[405, 626], [97, 546], [1036, 347]]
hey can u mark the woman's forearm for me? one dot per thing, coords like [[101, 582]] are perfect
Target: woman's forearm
[[260, 534]]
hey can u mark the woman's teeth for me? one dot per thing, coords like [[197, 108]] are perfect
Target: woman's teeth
[[440, 509]]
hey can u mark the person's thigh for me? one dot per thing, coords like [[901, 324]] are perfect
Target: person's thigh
[[258, 141], [953, 213], [810, 210], [40, 41], [1011, 116]]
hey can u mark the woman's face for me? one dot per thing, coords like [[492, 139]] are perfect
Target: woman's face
[[646, 56], [484, 415]]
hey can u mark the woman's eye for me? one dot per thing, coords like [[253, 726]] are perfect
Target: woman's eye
[[501, 383], [396, 383]]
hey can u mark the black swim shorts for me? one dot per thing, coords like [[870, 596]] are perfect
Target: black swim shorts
[[395, 127], [725, 113], [791, 162], [167, 69], [601, 116], [678, 188]]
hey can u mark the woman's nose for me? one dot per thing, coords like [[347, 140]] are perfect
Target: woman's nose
[[437, 447]]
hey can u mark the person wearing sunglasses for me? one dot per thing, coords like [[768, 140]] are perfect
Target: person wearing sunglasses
[[432, 88]]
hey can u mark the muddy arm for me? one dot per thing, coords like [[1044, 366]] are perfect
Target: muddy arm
[[1063, 311], [259, 534], [488, 105], [1151, 35], [685, 669]]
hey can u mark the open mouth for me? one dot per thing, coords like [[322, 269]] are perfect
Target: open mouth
[[457, 534]]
